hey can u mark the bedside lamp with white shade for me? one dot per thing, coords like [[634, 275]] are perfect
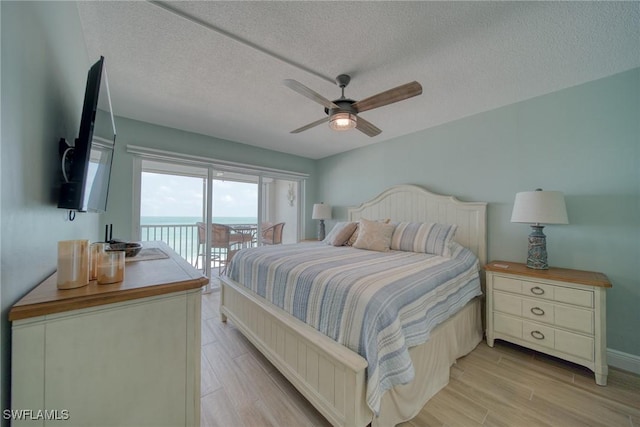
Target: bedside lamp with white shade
[[321, 212], [536, 208]]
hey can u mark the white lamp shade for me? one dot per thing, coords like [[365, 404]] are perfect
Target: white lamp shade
[[321, 211], [540, 207]]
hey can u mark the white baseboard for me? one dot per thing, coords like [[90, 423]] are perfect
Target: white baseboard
[[624, 361]]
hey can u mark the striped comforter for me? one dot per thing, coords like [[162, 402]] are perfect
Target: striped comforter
[[378, 304]]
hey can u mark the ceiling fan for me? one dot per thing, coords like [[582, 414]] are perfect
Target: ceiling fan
[[342, 114]]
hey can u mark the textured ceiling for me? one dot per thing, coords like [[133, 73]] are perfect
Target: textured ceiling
[[216, 68]]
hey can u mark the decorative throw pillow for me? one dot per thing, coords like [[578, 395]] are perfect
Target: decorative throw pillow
[[354, 236], [430, 238], [340, 233], [374, 236]]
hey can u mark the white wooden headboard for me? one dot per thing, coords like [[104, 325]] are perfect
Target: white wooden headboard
[[415, 204]]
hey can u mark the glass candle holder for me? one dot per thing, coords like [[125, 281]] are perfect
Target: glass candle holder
[[110, 267], [73, 264], [96, 249]]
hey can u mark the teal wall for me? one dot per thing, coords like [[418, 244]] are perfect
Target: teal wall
[[43, 76], [584, 141], [131, 132]]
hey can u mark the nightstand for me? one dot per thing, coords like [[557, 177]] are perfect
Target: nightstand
[[558, 311]]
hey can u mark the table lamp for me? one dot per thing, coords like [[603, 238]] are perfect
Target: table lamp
[[536, 208], [321, 212]]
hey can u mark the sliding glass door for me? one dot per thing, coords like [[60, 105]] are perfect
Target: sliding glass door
[[178, 202], [174, 209]]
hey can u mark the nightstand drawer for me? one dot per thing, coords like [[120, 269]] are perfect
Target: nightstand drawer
[[574, 296], [567, 342], [537, 310], [522, 287], [507, 303], [536, 333], [507, 284], [507, 325], [583, 298], [527, 331], [538, 290], [574, 344], [575, 319]]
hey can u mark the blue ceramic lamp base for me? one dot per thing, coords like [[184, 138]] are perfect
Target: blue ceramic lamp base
[[321, 233], [537, 254]]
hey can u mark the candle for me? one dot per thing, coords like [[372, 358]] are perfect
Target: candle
[[96, 249], [110, 267], [73, 264]]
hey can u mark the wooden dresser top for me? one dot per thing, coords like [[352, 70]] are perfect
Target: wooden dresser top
[[142, 278], [591, 278]]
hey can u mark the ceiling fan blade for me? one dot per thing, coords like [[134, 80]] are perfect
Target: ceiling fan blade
[[389, 97], [312, 95], [310, 125], [367, 127]]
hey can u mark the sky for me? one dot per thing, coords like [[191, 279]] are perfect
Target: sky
[[172, 195]]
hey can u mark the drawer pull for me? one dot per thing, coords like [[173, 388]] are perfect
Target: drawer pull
[[537, 311], [537, 335], [536, 290]]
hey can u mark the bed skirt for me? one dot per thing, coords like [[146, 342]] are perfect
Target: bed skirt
[[454, 338]]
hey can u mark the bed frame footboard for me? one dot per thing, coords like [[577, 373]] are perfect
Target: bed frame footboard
[[329, 375]]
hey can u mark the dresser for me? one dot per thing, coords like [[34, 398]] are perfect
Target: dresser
[[559, 311], [124, 354]]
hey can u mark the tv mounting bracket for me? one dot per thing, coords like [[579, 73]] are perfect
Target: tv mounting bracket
[[66, 152]]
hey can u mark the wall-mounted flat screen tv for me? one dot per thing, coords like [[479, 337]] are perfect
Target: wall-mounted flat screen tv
[[87, 163]]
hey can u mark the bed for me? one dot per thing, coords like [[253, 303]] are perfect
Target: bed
[[332, 376]]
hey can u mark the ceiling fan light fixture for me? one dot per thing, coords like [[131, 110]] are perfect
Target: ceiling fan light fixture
[[343, 121]]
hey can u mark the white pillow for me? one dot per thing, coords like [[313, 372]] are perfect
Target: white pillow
[[340, 233]]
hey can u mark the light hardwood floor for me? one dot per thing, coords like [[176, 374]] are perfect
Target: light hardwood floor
[[502, 386]]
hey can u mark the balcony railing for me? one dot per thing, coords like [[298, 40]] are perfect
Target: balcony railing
[[182, 238]]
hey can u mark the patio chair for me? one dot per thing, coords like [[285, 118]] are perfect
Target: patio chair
[[272, 235], [222, 246]]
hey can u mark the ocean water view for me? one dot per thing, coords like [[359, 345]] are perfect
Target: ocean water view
[[191, 220]]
